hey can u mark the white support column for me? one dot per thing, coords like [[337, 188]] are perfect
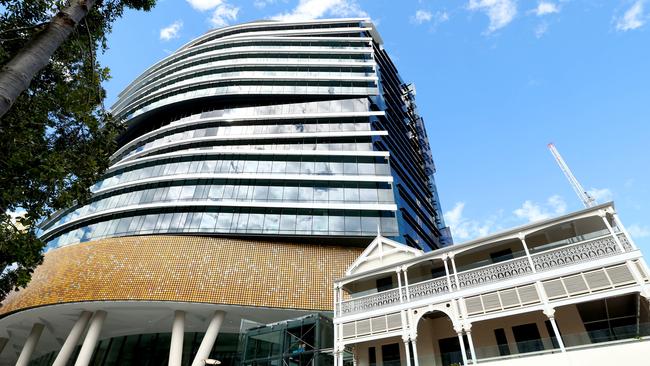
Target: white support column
[[92, 336], [209, 338], [337, 310], [522, 237], [603, 215], [340, 358], [550, 314], [471, 344], [630, 265], [336, 345], [30, 344], [463, 353], [176, 343], [638, 277], [406, 282], [336, 332], [453, 267], [541, 292], [462, 306], [339, 288], [399, 284], [558, 336], [341, 344], [414, 342], [620, 225], [444, 261], [404, 320], [634, 270], [407, 351], [73, 339]]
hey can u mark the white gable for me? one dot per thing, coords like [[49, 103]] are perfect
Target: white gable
[[382, 252]]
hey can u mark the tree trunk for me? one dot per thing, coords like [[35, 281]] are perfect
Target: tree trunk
[[18, 73]]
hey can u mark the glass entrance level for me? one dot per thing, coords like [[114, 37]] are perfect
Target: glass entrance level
[[304, 341], [151, 349]]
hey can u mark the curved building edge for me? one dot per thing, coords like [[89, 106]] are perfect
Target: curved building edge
[[141, 281]]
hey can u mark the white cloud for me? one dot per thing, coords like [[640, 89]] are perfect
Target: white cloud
[[10, 267], [541, 30], [601, 194], [171, 31], [532, 211], [223, 15], [500, 12], [463, 228], [14, 215], [557, 204], [204, 5], [314, 9], [222, 12], [638, 231], [545, 8], [261, 4], [422, 16], [633, 17]]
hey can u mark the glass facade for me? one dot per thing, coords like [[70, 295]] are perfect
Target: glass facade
[[301, 130], [306, 341], [232, 220], [151, 349]]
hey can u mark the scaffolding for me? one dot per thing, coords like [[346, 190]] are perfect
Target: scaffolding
[[305, 341]]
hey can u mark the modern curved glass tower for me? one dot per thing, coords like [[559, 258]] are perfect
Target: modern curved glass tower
[[258, 162], [268, 129]]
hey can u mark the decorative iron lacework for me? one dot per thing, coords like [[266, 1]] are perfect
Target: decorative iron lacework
[[577, 253], [428, 288], [559, 257], [376, 301], [493, 273], [625, 242]]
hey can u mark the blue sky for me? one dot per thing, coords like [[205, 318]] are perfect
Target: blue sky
[[496, 81]]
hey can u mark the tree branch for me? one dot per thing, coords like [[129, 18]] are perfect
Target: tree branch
[[92, 60], [17, 74], [23, 28]]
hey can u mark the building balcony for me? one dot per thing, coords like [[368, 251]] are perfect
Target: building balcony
[[550, 257], [568, 286]]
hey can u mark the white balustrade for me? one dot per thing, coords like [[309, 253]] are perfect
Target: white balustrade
[[577, 253], [494, 272], [429, 288], [370, 302], [553, 258], [625, 242]]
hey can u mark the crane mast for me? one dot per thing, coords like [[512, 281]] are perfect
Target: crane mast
[[584, 196]]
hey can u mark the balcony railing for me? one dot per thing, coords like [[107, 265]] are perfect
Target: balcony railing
[[579, 252], [572, 341], [428, 288], [494, 272], [370, 302], [556, 257]]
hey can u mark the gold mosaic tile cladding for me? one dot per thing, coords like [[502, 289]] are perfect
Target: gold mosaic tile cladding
[[188, 268]]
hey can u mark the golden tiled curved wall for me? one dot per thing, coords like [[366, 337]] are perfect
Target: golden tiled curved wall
[[188, 268]]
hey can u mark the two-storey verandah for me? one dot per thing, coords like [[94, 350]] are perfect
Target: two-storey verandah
[[534, 289]]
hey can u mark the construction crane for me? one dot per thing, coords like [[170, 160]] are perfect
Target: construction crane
[[584, 196]]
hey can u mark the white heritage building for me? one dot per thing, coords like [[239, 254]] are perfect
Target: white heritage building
[[573, 290]]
